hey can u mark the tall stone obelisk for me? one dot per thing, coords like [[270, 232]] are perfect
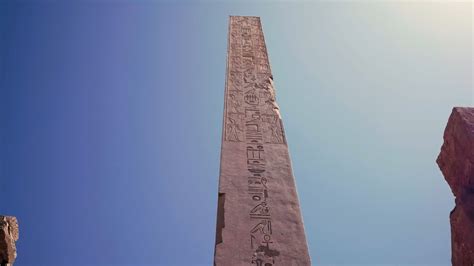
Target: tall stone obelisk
[[258, 219]]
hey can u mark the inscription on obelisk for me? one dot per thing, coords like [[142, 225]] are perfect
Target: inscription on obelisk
[[259, 219]]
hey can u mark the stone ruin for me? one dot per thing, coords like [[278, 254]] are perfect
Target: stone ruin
[[8, 236], [456, 161]]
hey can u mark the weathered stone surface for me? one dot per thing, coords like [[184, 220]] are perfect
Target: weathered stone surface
[[456, 161], [259, 219], [8, 236]]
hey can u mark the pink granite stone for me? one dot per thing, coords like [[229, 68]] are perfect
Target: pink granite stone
[[456, 161], [258, 218], [8, 237]]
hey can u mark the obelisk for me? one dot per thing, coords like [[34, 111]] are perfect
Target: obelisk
[[259, 219]]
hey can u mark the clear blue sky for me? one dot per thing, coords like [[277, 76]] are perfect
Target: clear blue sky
[[111, 112]]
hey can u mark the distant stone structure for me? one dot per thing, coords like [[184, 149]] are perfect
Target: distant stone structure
[[258, 219], [8, 236], [456, 161]]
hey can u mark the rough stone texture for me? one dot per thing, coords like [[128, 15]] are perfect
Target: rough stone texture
[[8, 237], [258, 219], [456, 161]]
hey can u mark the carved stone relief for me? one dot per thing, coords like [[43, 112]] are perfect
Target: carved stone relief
[[253, 125], [234, 127], [253, 117]]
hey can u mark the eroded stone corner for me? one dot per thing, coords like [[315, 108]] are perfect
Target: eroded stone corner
[[9, 234], [456, 161]]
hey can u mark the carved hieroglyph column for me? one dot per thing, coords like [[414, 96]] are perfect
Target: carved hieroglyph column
[[259, 219], [456, 161]]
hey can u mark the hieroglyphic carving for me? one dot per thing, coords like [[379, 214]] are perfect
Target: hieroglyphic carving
[[248, 63], [235, 105], [253, 153], [260, 231], [234, 127], [236, 62], [263, 66], [273, 131], [249, 78], [261, 49], [261, 55], [252, 116], [235, 79], [251, 96]]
